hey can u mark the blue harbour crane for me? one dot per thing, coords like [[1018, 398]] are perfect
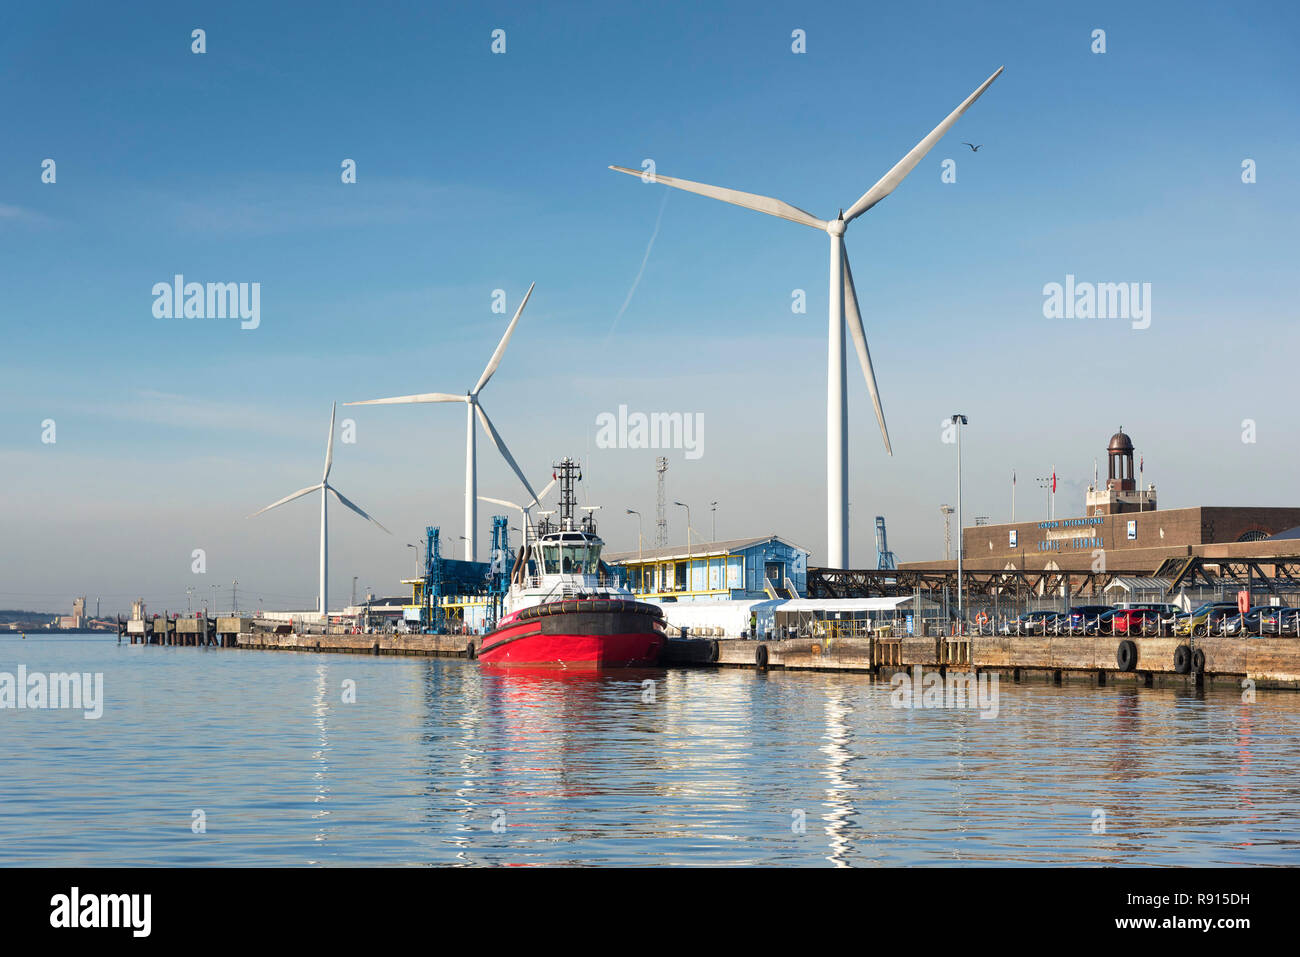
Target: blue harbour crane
[[884, 557]]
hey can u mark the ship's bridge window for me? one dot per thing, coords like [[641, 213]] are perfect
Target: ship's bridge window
[[579, 559]]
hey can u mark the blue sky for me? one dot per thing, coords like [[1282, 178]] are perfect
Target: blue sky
[[478, 171]]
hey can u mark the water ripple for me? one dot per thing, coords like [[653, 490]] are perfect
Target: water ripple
[[442, 761]]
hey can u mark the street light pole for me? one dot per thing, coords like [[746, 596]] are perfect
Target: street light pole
[[713, 507], [688, 526], [959, 420], [632, 511]]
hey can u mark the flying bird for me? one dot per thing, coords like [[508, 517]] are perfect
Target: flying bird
[[973, 147]]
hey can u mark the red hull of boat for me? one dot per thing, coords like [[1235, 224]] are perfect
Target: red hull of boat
[[587, 638]]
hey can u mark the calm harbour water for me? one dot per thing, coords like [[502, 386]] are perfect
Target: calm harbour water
[[581, 770]]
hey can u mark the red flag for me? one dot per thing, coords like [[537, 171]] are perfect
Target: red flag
[[1053, 480]]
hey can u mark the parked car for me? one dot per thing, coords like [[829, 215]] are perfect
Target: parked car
[[1080, 615], [1135, 621], [1030, 623], [1288, 621], [1168, 614], [1102, 624], [1206, 619], [1058, 624], [1262, 620]]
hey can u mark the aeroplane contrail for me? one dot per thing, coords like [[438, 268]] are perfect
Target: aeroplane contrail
[[644, 259]]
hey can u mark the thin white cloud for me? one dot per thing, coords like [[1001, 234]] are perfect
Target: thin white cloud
[[21, 214]]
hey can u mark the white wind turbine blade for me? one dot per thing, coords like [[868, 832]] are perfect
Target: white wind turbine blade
[[522, 508], [329, 448], [501, 447], [853, 319], [501, 346], [764, 204], [550, 485], [502, 502], [515, 505], [352, 505], [407, 399], [289, 498], [904, 166]]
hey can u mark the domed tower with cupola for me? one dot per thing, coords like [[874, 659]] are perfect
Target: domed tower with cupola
[[1120, 493]]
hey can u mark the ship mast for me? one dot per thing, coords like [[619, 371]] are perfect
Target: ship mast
[[568, 471]]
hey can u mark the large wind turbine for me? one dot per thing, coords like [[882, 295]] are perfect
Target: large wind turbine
[[472, 407], [325, 489], [843, 298]]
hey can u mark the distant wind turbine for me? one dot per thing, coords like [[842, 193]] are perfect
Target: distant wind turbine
[[522, 509], [843, 297], [471, 400], [325, 489]]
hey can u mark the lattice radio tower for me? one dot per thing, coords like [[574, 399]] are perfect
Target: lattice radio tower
[[661, 514], [946, 510]]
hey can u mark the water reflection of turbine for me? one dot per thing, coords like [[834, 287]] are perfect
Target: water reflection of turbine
[[702, 752], [466, 698], [320, 709], [838, 757], [1244, 753], [960, 729]]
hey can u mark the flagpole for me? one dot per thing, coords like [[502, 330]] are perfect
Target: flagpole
[[1013, 496]]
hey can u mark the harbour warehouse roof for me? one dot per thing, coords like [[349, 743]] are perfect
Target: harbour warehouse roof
[[697, 550]]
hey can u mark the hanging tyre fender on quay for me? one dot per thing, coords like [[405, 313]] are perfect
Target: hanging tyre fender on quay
[[1182, 659], [1198, 661], [1126, 656], [760, 656]]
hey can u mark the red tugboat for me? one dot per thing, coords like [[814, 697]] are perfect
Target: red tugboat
[[564, 607]]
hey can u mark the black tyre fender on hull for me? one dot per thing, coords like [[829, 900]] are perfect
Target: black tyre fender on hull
[[570, 606], [1126, 656]]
